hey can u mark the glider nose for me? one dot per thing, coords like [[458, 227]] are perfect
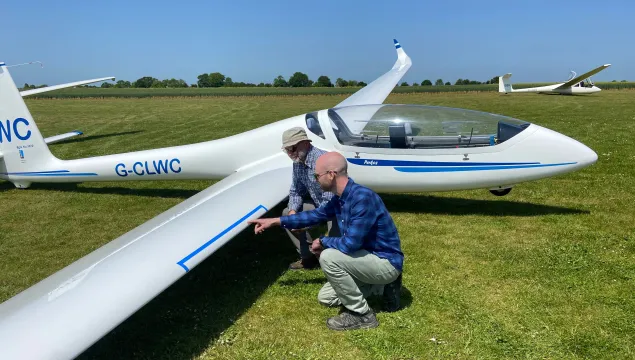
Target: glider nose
[[560, 148], [587, 155], [582, 154]]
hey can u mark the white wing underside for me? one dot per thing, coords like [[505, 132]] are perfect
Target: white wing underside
[[377, 91], [582, 77], [67, 312], [60, 137], [63, 86]]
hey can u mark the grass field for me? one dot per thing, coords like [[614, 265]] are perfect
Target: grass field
[[546, 272], [271, 91]]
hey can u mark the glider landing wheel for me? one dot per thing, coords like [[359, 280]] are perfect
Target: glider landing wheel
[[501, 192]]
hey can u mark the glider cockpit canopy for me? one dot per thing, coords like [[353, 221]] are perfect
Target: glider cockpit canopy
[[417, 127]]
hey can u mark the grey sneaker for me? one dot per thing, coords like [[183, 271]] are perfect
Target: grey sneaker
[[348, 320]]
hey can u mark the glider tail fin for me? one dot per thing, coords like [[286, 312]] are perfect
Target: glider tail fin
[[504, 85], [22, 146]]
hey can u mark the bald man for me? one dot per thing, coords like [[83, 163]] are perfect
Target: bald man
[[366, 258]]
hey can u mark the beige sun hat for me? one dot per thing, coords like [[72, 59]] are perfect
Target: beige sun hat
[[293, 136]]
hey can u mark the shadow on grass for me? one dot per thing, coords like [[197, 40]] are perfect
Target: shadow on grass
[[182, 321], [430, 204], [409, 203], [95, 137], [74, 187], [6, 185]]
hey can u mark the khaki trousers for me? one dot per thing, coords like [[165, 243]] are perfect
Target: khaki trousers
[[352, 278]]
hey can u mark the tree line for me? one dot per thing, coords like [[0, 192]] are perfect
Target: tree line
[[298, 79]]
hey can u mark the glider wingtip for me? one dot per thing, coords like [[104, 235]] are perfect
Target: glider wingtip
[[397, 46]]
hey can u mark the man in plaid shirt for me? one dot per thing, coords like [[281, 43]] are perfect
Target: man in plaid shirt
[[365, 257], [305, 193]]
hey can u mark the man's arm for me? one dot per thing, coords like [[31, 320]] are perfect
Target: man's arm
[[361, 221], [299, 220], [309, 218]]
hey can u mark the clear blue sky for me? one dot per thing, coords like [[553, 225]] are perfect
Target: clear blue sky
[[254, 41]]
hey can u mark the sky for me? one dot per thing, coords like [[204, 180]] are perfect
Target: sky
[[255, 41]]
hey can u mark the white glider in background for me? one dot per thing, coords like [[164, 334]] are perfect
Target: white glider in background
[[396, 148], [576, 85]]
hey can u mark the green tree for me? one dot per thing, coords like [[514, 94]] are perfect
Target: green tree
[[353, 83], [361, 83], [415, 84], [216, 79], [299, 79], [122, 84], [229, 81], [144, 82], [158, 83], [439, 82], [459, 82], [404, 84], [447, 83], [203, 81], [280, 82], [341, 82], [324, 81], [174, 83], [426, 82], [106, 85]]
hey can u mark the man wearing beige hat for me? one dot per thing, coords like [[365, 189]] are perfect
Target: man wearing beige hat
[[305, 193]]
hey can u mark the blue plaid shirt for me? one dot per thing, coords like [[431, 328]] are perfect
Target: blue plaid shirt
[[364, 224], [305, 184]]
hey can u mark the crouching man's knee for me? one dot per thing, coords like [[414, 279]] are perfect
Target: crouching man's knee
[[328, 257]]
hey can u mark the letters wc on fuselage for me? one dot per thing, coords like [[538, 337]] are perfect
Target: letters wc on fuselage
[[17, 128]]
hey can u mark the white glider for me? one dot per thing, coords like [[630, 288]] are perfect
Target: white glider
[[576, 85], [388, 147]]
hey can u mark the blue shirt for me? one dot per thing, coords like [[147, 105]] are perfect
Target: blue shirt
[[303, 182], [364, 224]]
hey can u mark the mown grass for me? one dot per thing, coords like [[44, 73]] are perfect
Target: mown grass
[[270, 91], [545, 272]]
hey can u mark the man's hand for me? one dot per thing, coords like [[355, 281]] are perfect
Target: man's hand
[[296, 231], [316, 247], [262, 224]]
